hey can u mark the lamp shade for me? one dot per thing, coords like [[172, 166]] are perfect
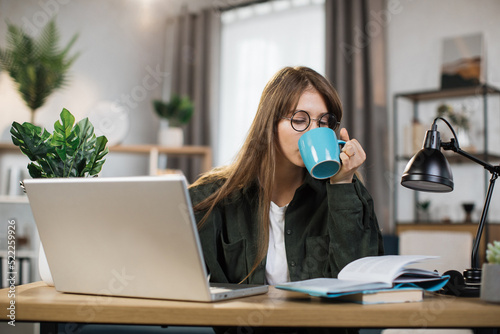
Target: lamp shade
[[428, 170]]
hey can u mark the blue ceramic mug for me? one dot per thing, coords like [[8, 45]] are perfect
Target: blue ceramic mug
[[320, 151]]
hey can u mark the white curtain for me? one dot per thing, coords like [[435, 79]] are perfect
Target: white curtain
[[256, 41]]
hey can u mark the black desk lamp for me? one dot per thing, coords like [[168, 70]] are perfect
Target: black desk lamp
[[428, 170]]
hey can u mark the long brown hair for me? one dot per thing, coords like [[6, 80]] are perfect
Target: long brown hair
[[256, 160]]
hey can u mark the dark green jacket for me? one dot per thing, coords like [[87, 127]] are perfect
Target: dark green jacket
[[326, 227]]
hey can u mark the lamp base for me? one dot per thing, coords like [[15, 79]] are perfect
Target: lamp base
[[467, 284], [473, 281], [472, 276]]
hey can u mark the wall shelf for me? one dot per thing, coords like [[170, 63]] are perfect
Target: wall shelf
[[204, 152], [430, 95]]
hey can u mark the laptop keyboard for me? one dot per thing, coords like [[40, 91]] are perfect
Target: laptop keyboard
[[214, 289]]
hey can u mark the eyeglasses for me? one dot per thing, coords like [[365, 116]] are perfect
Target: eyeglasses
[[301, 120]]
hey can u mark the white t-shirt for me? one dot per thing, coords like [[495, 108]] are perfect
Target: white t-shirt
[[276, 264]]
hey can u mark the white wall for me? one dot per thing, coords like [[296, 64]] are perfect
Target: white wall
[[415, 37], [121, 43]]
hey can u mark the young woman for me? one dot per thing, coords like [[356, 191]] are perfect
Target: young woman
[[263, 219]]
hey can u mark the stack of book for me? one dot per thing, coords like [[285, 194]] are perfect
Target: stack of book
[[374, 280]]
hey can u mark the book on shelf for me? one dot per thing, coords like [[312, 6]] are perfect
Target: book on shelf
[[375, 275]]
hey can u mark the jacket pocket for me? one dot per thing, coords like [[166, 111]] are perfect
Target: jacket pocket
[[235, 261], [316, 263]]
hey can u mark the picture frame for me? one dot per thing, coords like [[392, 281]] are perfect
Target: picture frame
[[463, 61]]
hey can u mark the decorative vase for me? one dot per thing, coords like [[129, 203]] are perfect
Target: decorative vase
[[423, 211], [43, 267], [490, 283], [464, 139], [170, 136], [468, 208], [423, 215]]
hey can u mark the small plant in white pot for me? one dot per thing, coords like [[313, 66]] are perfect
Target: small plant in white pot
[[174, 114], [490, 281]]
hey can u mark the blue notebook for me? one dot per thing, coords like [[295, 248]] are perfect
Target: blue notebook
[[400, 295]]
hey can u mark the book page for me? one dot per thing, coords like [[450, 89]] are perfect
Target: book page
[[379, 268]]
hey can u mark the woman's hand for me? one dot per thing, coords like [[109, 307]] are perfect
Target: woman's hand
[[352, 156]]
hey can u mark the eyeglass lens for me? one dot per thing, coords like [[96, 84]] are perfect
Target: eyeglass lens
[[301, 120]]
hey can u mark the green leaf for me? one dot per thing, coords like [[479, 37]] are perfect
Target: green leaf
[[62, 153], [65, 127], [35, 170], [80, 167], [63, 137], [85, 130], [31, 139], [62, 130], [95, 161]]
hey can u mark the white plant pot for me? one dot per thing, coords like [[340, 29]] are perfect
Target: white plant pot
[[490, 283], [170, 136], [43, 267]]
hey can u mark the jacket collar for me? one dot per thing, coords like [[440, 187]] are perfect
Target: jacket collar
[[315, 184]]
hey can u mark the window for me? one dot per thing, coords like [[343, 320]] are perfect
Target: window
[[257, 41]]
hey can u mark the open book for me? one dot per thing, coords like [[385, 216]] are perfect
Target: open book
[[373, 273]]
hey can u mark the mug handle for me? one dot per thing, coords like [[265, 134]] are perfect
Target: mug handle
[[341, 144]]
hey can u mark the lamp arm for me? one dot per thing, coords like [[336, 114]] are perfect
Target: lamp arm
[[482, 222], [452, 145], [495, 172]]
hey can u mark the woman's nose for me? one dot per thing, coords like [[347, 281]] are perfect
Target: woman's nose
[[313, 125]]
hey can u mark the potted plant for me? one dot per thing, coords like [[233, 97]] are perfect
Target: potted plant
[[71, 151], [173, 114], [490, 281], [37, 66]]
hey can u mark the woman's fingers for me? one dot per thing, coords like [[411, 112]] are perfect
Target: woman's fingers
[[344, 135], [352, 156], [353, 148]]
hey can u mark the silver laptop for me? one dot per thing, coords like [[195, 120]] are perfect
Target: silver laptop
[[124, 236]]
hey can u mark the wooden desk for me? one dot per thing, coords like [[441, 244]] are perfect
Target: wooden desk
[[40, 303]]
